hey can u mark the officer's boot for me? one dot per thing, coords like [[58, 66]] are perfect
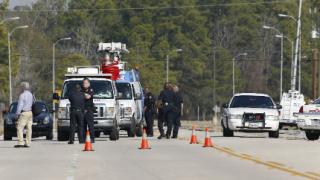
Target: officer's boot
[[161, 136]]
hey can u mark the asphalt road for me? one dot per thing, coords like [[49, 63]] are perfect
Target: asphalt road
[[245, 156]]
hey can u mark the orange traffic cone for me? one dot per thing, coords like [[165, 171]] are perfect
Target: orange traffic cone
[[193, 136], [207, 142], [88, 145], [144, 144]]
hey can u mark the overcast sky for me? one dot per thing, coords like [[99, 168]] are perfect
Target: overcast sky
[[13, 3]]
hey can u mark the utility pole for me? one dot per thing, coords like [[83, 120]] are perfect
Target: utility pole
[[314, 92], [293, 79]]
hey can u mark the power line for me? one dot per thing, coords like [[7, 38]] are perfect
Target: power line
[[158, 7]]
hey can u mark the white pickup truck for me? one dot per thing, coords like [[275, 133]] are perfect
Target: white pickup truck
[[251, 112], [309, 120]]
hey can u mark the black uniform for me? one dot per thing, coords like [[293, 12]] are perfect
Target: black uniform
[[178, 100], [167, 97], [77, 100], [149, 102], [89, 107]]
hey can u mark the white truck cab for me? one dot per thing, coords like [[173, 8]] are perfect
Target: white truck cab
[[250, 112], [309, 120], [105, 99]]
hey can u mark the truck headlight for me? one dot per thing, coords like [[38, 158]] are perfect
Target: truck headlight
[[110, 112], [8, 120], [62, 113], [235, 116], [46, 120], [127, 111], [272, 117]]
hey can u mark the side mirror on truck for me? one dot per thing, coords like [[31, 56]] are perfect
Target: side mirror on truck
[[55, 96], [225, 105], [278, 106], [137, 97]]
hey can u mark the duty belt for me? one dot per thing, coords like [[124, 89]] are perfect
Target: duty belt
[[166, 103], [75, 109]]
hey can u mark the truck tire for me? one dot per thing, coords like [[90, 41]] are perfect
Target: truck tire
[[97, 134], [114, 133], [227, 133], [139, 129], [312, 136], [63, 135], [274, 134], [132, 131], [49, 136], [7, 138]]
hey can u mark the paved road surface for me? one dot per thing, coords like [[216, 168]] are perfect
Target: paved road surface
[[245, 156]]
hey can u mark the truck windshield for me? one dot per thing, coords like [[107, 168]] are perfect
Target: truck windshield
[[101, 89], [125, 89], [251, 102]]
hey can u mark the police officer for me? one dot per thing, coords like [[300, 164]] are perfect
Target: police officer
[[166, 98], [77, 100], [149, 105], [178, 111], [89, 108]]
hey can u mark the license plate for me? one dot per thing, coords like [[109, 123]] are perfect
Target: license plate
[[253, 125], [34, 123], [316, 122], [24, 131]]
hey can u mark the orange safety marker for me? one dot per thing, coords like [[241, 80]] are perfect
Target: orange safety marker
[[144, 144], [88, 145], [194, 137], [207, 142]]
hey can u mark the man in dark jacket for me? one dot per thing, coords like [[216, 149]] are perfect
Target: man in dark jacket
[[149, 107]]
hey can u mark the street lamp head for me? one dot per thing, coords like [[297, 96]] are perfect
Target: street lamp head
[[23, 26], [244, 54], [266, 27], [14, 18], [278, 36], [67, 38], [177, 50], [282, 15]]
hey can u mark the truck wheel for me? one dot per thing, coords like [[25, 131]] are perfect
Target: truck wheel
[[49, 136], [97, 134], [280, 125], [139, 129], [7, 138], [274, 134], [227, 133], [113, 136], [132, 131], [312, 137], [63, 135]]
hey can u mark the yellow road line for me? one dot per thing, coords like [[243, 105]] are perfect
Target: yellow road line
[[312, 173], [246, 155], [279, 164]]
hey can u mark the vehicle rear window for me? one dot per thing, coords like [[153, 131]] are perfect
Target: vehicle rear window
[[14, 106], [252, 102]]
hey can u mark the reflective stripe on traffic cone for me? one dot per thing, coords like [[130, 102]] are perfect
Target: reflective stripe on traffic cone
[[88, 145], [194, 137], [207, 142], [144, 144]]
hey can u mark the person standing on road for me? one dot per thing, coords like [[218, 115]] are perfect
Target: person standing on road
[[166, 98], [149, 105], [24, 115], [178, 111], [77, 100], [89, 108]]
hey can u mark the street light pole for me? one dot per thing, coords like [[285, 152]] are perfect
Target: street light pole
[[54, 76], [177, 50], [281, 64], [292, 47], [9, 50], [233, 80]]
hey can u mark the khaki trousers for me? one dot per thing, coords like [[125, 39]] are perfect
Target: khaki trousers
[[25, 118]]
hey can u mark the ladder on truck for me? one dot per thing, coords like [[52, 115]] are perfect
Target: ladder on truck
[[291, 103]]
